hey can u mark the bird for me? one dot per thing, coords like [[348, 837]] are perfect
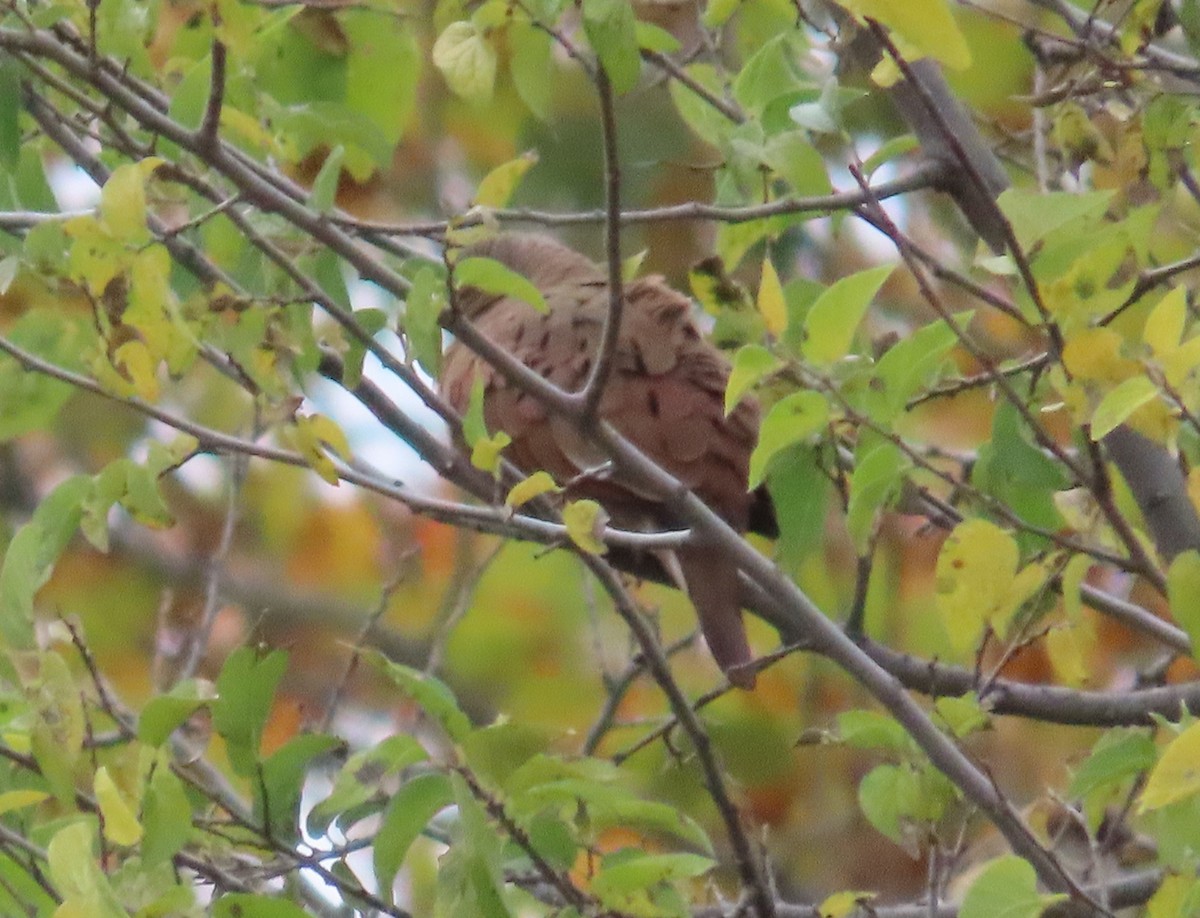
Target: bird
[[665, 394]]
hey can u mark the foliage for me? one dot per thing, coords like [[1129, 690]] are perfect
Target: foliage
[[272, 644]]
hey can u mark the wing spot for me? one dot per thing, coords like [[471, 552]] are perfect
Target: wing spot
[[652, 403]]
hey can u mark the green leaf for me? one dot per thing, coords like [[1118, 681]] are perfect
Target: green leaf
[[494, 752], [30, 401], [532, 67], [878, 474], [499, 279], [616, 883], [962, 715], [910, 366], [750, 364], [422, 310], [1177, 775], [797, 162], [408, 812], [1116, 757], [31, 556], [873, 730], [834, 317], [1007, 888], [1034, 215], [792, 419], [370, 322], [383, 69], [611, 29], [325, 185], [1119, 403], [705, 122], [249, 905], [430, 694], [655, 38], [281, 780], [166, 815], [1013, 470], [800, 491], [78, 879], [471, 880], [467, 61], [769, 72], [10, 109], [245, 692], [362, 778]]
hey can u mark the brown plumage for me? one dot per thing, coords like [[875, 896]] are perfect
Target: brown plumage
[[665, 395]]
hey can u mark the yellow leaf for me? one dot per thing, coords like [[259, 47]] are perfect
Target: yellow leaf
[[1182, 362], [1164, 326], [95, 257], [771, 304], [135, 359], [1177, 774], [1072, 579], [1095, 353], [310, 435], [485, 451], [585, 521], [120, 824], [976, 574], [18, 799], [841, 904], [535, 485], [1066, 656], [329, 433], [927, 25], [498, 186], [123, 200]]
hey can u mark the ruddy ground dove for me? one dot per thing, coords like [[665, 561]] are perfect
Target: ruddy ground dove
[[665, 394]]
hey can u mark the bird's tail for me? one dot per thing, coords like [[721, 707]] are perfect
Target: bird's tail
[[712, 584]]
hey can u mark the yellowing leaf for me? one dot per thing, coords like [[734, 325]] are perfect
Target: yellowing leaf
[[1183, 591], [771, 305], [497, 187], [467, 61], [311, 435], [976, 574], [120, 824], [123, 200], [1072, 579], [927, 25], [19, 799], [1177, 774], [585, 521], [1117, 405], [1164, 326], [535, 485]]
